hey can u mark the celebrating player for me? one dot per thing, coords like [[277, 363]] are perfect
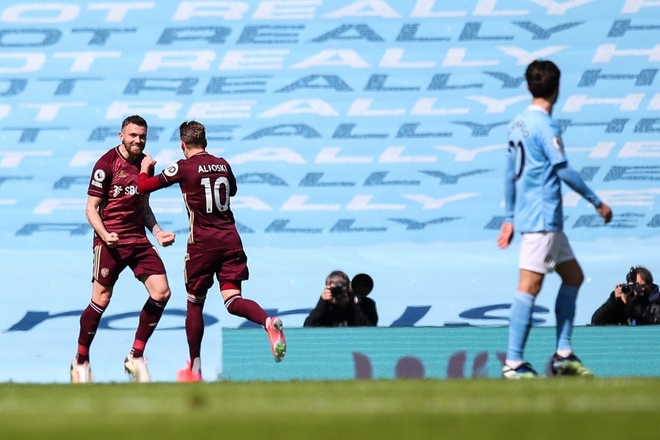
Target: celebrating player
[[118, 213], [536, 165], [214, 245]]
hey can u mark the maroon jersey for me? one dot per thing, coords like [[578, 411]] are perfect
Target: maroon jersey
[[207, 183], [114, 180]]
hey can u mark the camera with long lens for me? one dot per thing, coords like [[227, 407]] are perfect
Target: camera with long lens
[[362, 285], [339, 290], [630, 286]]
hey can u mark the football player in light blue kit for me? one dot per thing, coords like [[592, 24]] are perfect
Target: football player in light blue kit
[[536, 165]]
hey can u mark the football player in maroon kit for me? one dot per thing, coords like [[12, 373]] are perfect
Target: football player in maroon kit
[[214, 246], [119, 214]]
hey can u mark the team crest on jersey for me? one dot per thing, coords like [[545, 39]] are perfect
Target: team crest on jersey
[[121, 174], [104, 272], [99, 175], [171, 170], [558, 144]]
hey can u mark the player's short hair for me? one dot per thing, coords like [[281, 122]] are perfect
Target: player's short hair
[[193, 133], [542, 78], [136, 120], [337, 277]]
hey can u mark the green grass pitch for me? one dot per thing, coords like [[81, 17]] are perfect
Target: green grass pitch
[[549, 408]]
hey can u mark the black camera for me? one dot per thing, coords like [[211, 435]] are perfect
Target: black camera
[[339, 290], [630, 286]]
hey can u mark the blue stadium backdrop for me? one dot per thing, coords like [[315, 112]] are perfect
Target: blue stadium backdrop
[[366, 135]]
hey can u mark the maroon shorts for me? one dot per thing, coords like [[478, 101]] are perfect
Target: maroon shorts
[[224, 264], [142, 258]]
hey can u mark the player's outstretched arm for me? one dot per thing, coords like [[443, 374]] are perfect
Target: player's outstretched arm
[[148, 184]]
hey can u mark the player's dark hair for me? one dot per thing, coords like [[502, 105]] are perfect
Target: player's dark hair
[[542, 78], [193, 133], [337, 277], [136, 120]]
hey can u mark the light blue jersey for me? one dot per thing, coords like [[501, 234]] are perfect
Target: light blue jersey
[[535, 148]]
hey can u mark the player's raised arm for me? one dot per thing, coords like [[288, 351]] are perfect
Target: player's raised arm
[[147, 182], [147, 164]]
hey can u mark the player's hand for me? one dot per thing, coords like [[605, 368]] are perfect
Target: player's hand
[[165, 238], [506, 235], [605, 212], [112, 240], [147, 164]]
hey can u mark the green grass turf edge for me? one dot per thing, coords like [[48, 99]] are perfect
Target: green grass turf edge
[[406, 409]]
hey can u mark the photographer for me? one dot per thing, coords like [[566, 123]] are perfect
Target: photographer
[[635, 302], [344, 303]]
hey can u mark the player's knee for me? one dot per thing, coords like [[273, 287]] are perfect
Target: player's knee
[[165, 296], [161, 296], [101, 295], [574, 279]]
